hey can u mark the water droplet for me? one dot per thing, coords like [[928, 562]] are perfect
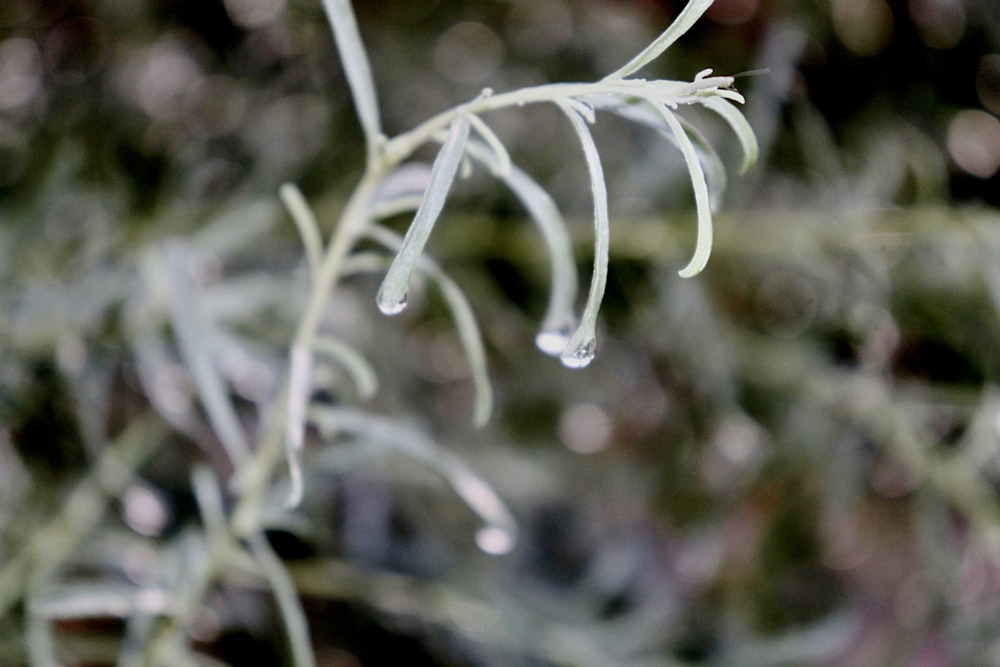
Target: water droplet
[[553, 341], [581, 356], [390, 305], [495, 540]]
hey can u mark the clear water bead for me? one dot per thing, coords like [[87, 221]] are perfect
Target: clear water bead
[[552, 341], [391, 305], [495, 540], [581, 356]]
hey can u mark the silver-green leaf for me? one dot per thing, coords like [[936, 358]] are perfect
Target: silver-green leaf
[[393, 293]]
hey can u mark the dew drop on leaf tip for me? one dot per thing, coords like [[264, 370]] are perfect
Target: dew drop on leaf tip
[[552, 341], [495, 540], [390, 306], [580, 357]]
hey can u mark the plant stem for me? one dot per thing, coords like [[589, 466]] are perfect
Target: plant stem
[[400, 147]]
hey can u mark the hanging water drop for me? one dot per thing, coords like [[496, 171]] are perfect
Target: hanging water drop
[[553, 341], [389, 304], [495, 540], [580, 356]]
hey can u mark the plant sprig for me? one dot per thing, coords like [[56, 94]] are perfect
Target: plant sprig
[[465, 137], [391, 184]]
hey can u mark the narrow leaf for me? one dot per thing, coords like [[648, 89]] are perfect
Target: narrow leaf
[[494, 142], [740, 126], [299, 388], [500, 532], [400, 191], [354, 364], [580, 350], [465, 323], [354, 60], [645, 113], [107, 599], [703, 244], [208, 496], [305, 221], [289, 605], [584, 109], [559, 320], [393, 293], [192, 333], [406, 181], [687, 18]]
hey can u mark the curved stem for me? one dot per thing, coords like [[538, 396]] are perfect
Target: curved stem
[[402, 146]]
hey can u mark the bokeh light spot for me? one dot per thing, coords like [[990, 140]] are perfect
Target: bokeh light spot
[[254, 13], [145, 510], [864, 26], [20, 72], [585, 428], [164, 79], [939, 23], [495, 540], [974, 142]]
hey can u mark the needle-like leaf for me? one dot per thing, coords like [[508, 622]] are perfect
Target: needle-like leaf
[[740, 126], [354, 60], [299, 388], [354, 364], [305, 222], [192, 334], [500, 533], [465, 323], [703, 244], [393, 293], [559, 320], [644, 112], [687, 18], [494, 142], [582, 346]]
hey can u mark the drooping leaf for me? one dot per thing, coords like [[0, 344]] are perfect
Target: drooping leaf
[[192, 336], [582, 345], [559, 320], [493, 141], [740, 126], [354, 364], [305, 222], [465, 323], [642, 112], [703, 243], [393, 293], [474, 491], [287, 597]]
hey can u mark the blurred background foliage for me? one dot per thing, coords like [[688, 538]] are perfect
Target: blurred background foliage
[[792, 459]]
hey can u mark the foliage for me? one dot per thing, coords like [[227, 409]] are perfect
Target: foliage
[[208, 441]]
